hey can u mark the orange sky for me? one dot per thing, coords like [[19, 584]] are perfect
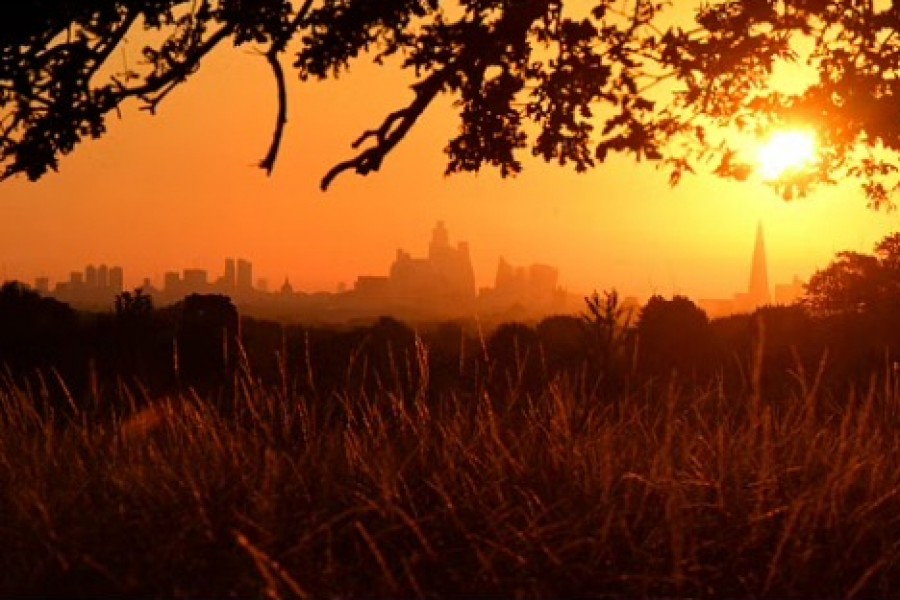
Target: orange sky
[[181, 190]]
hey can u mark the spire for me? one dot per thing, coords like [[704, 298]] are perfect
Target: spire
[[758, 290], [440, 240]]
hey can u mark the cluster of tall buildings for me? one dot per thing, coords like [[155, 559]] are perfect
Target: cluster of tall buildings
[[94, 287], [442, 284], [439, 285], [236, 281], [442, 280], [536, 285]]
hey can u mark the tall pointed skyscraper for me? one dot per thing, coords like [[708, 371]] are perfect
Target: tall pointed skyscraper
[[758, 290]]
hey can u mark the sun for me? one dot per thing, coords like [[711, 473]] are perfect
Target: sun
[[786, 151]]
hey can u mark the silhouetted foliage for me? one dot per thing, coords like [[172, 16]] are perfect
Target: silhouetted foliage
[[518, 494], [136, 337], [848, 329], [201, 344], [565, 343], [673, 336], [34, 331], [514, 358], [888, 253], [134, 305], [42, 346], [570, 82], [207, 341], [453, 356], [384, 356], [608, 324], [25, 310], [379, 356], [858, 283]]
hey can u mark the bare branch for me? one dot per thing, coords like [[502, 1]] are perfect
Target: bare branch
[[268, 163], [278, 46], [392, 130], [382, 131]]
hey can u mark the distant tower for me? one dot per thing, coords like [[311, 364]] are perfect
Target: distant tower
[[90, 276], [102, 277], [440, 240], [172, 283], [758, 290], [230, 277], [116, 279], [244, 274], [195, 280]]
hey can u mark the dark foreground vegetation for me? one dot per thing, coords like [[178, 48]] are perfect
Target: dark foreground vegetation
[[183, 452]]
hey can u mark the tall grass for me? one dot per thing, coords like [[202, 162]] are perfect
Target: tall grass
[[668, 491]]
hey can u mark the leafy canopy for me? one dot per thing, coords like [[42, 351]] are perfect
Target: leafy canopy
[[858, 283], [570, 82]]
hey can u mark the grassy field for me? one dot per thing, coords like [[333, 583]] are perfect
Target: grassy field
[[666, 491]]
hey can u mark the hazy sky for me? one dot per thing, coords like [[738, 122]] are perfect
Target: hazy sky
[[181, 189]]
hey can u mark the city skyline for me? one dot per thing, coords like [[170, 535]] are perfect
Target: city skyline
[[442, 283], [620, 224], [443, 280], [634, 269]]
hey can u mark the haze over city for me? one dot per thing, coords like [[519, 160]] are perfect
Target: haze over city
[[181, 189]]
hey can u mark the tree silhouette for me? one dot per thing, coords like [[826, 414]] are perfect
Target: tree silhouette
[[135, 332], [888, 253], [858, 283], [848, 284], [610, 334], [565, 343], [571, 82], [672, 335], [207, 341], [35, 331], [133, 305]]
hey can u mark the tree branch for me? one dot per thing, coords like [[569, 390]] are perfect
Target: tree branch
[[278, 46], [393, 129], [511, 29], [102, 53], [268, 163], [178, 72]]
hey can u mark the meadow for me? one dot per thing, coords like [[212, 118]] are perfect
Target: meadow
[[667, 488]]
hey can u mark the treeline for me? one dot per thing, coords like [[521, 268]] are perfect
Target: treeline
[[202, 344]]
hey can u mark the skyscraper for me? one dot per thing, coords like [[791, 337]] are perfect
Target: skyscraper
[[440, 241], [758, 290], [102, 277], [172, 283], [244, 274], [90, 276], [229, 279], [194, 280], [116, 279]]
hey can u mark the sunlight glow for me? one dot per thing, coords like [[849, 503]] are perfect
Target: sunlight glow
[[786, 151]]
